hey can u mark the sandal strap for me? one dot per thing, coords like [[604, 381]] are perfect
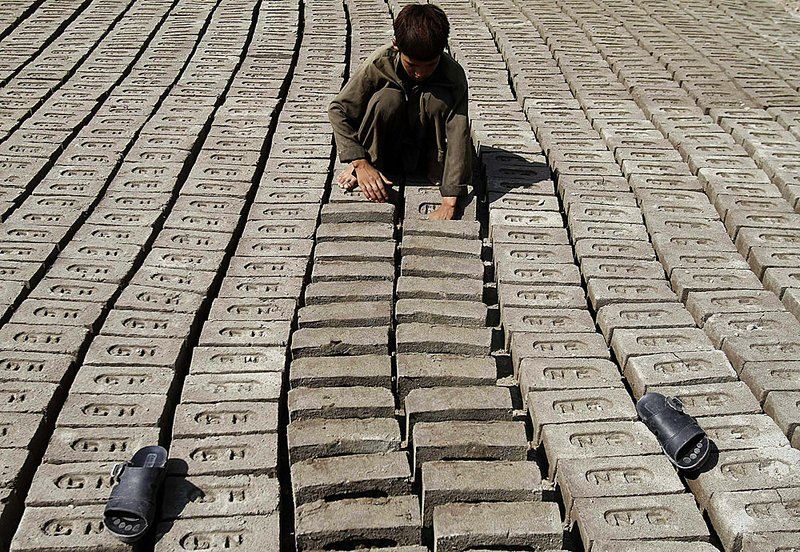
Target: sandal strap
[[135, 492]]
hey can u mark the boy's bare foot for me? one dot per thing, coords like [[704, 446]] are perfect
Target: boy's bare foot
[[347, 178], [445, 211]]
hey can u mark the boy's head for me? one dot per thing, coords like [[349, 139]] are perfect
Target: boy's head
[[420, 34]]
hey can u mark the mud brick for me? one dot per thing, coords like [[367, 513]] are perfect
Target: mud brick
[[743, 431], [691, 258], [335, 342], [320, 438], [284, 213], [442, 267], [784, 408], [743, 350], [687, 280], [462, 526], [112, 272], [33, 233], [629, 343], [465, 440], [112, 411], [604, 292], [264, 287], [97, 444], [61, 313], [718, 241], [268, 247], [748, 470], [111, 234], [22, 430], [219, 387], [15, 467], [358, 314], [672, 517], [437, 404], [537, 236], [324, 524], [354, 251], [522, 202], [258, 532], [282, 196], [465, 229], [540, 296], [736, 514], [449, 313], [621, 269], [765, 377], [340, 402], [759, 324], [134, 351], [130, 323], [18, 337], [545, 321], [582, 478], [556, 345], [703, 305], [18, 271], [424, 370], [245, 333], [356, 474], [226, 455], [737, 219], [652, 546], [677, 368], [762, 258], [34, 366], [362, 231], [532, 256], [234, 360], [357, 213], [669, 223], [409, 287], [581, 230], [175, 258], [713, 399], [591, 212], [87, 532], [534, 274], [430, 338], [579, 373], [203, 240], [619, 198], [609, 248], [769, 542], [254, 308], [229, 418], [437, 246], [765, 237], [445, 482], [322, 293], [47, 216], [367, 370], [791, 299], [522, 218], [422, 201], [202, 222], [77, 484], [578, 405], [293, 179], [96, 250], [596, 440], [123, 380], [628, 315], [210, 496], [361, 271]]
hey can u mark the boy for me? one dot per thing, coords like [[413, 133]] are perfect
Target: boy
[[405, 109]]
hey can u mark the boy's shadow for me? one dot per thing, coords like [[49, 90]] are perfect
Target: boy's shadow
[[504, 171]]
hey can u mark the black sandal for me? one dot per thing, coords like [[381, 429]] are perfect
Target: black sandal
[[682, 439], [131, 507]]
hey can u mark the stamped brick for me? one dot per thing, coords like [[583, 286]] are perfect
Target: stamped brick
[[174, 279], [584, 229], [259, 308], [361, 231], [714, 399], [148, 324], [642, 315], [439, 288], [743, 350], [464, 440], [352, 475], [769, 542], [761, 324], [520, 235], [147, 298], [230, 360], [220, 387], [134, 351], [688, 280], [322, 293], [85, 530], [596, 267], [250, 267], [68, 340], [540, 275], [76, 484], [604, 292], [321, 438], [629, 343], [543, 297], [112, 411], [672, 517], [61, 313], [765, 377], [232, 418], [438, 404], [544, 321], [432, 370], [247, 333], [702, 305], [340, 402], [34, 367], [557, 345], [325, 524], [335, 342], [463, 526], [784, 408], [226, 455], [581, 478], [259, 532], [366, 370], [430, 338], [677, 368], [743, 431], [97, 444], [362, 272], [344, 315], [544, 374], [609, 248], [211, 496]]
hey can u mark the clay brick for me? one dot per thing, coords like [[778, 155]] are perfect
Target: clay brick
[[174, 279], [464, 440], [324, 524], [743, 431], [283, 212], [134, 351], [430, 338], [604, 292], [366, 370], [743, 350], [62, 313], [78, 484], [112, 411], [319, 438], [762, 324], [26, 396], [230, 360], [322, 293], [362, 231], [541, 297], [532, 256], [449, 313], [354, 251], [584, 229], [677, 368], [581, 478], [431, 370], [354, 474], [148, 324], [270, 247], [736, 514], [540, 236], [438, 404], [769, 542], [97, 444], [765, 377], [226, 455], [86, 531], [255, 532], [672, 517], [363, 272], [268, 266], [67, 290], [340, 402], [557, 345], [420, 201], [247, 333], [442, 267], [497, 524], [469, 229], [335, 342], [192, 239], [440, 288], [523, 219], [689, 258], [596, 267], [147, 298], [345, 315], [784, 408], [629, 343], [714, 399], [544, 321], [544, 374], [357, 213], [211, 496], [702, 305], [540, 275], [610, 248], [445, 482], [253, 308], [34, 367], [68, 340], [229, 418], [642, 315], [218, 388], [748, 470]]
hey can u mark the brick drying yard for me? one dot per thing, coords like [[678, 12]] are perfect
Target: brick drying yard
[[329, 373]]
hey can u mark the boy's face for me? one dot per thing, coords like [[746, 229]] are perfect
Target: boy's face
[[416, 69]]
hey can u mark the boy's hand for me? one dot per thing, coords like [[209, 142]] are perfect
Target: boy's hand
[[371, 181], [445, 211]]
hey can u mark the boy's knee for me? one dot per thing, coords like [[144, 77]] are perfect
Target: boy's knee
[[389, 104]]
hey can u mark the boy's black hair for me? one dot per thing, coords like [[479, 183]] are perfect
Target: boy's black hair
[[421, 31]]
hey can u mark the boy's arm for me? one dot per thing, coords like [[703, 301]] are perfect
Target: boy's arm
[[346, 109], [458, 157]]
